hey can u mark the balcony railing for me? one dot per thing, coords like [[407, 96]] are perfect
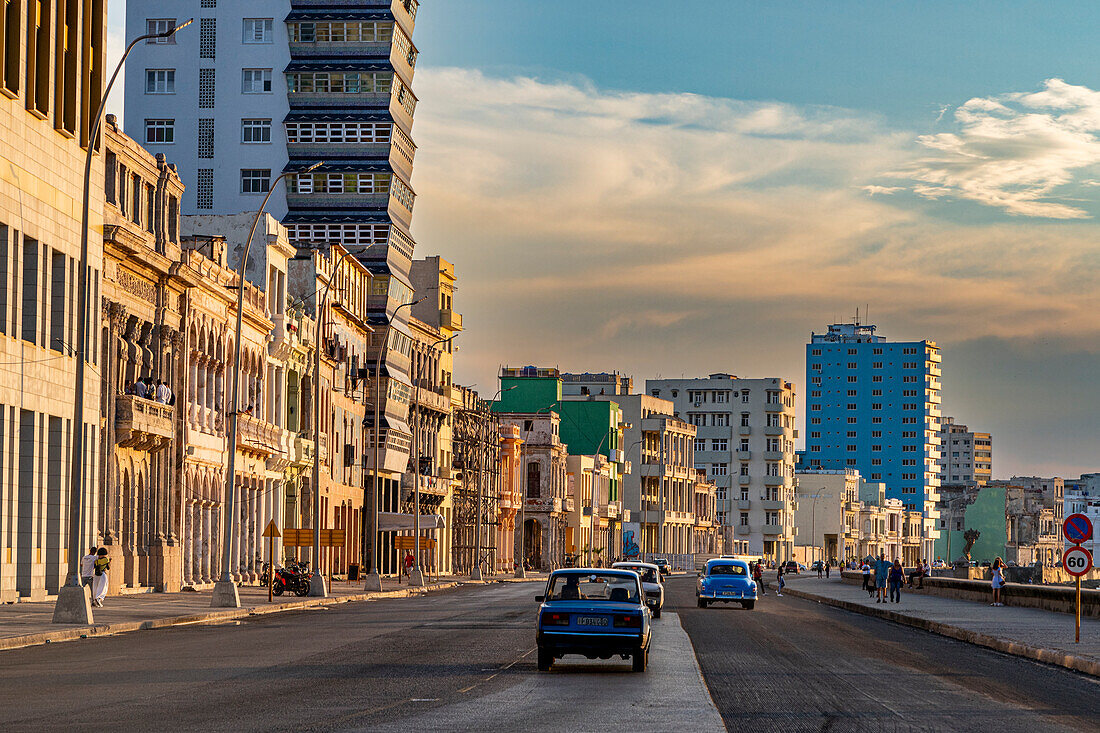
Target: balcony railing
[[143, 424]]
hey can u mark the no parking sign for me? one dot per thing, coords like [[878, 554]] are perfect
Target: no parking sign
[[1077, 528]]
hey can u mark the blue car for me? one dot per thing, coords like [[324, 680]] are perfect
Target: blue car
[[727, 581], [595, 612]]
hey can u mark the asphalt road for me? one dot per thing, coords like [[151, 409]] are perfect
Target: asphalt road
[[796, 665], [464, 660]]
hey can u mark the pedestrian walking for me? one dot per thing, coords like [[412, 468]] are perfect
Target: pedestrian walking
[[826, 571], [882, 571], [820, 569], [409, 560], [100, 575], [758, 576], [87, 567], [998, 581], [896, 578], [779, 579], [865, 568]]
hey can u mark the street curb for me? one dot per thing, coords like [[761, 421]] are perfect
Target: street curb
[[1015, 648], [207, 617]]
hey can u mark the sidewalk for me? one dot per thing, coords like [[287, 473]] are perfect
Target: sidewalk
[[1044, 636], [27, 624]]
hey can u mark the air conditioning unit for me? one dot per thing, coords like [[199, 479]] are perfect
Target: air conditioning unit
[[698, 404]]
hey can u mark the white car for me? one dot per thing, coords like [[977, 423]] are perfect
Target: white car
[[651, 583]]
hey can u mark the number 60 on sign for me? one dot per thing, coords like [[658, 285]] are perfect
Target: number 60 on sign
[[1077, 561]]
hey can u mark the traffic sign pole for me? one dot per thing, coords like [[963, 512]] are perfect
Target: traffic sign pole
[[1077, 561]]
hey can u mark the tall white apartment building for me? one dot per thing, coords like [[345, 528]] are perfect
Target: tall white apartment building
[[745, 431], [260, 87]]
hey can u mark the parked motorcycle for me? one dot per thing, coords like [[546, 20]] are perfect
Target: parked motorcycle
[[293, 578]]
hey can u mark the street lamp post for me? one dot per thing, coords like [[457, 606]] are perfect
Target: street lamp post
[[73, 600], [416, 577], [225, 590], [374, 579]]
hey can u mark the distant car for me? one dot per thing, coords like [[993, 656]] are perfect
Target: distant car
[[651, 584], [726, 581], [663, 565], [595, 612], [792, 567], [939, 565]]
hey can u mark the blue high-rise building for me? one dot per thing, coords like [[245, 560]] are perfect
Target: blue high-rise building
[[874, 405]]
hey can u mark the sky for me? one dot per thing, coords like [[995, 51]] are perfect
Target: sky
[[679, 189]]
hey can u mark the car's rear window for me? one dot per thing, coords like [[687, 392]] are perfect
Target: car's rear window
[[727, 570], [648, 575], [593, 587]]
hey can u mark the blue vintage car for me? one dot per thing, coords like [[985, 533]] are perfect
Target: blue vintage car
[[594, 612], [727, 581]]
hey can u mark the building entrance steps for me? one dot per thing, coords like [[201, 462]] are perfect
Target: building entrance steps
[[30, 623], [1045, 636]]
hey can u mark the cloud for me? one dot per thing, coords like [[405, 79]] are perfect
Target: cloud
[[680, 234], [1017, 152]]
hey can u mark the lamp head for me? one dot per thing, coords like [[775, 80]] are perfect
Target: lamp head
[[311, 168], [177, 29]]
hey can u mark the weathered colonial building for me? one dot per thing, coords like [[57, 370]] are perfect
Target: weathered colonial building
[[143, 338], [546, 499]]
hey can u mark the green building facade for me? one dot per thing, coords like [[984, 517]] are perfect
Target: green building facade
[[588, 426]]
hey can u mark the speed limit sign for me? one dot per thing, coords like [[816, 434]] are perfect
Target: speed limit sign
[[1077, 561]]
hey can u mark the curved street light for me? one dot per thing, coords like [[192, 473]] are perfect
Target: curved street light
[[225, 590], [374, 578], [73, 602]]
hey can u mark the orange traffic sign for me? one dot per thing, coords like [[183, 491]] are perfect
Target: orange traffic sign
[[408, 542], [272, 530]]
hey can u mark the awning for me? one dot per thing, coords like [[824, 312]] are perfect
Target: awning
[[338, 65], [397, 522], [326, 14], [323, 116], [336, 165]]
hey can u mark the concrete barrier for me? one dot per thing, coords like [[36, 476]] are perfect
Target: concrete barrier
[[1057, 598]]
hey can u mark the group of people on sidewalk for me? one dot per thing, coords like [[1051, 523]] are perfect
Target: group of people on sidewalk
[[147, 388], [93, 572], [890, 574]]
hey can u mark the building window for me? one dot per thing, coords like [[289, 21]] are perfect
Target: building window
[[700, 444], [255, 131], [719, 444], [255, 180], [204, 195], [208, 38], [257, 30], [160, 81], [744, 519], [719, 469], [160, 131], [160, 25], [255, 81], [206, 88]]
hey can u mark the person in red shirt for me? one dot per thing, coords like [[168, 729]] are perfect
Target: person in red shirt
[[409, 560]]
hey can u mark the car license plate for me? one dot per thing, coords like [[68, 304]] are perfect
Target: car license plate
[[730, 593], [591, 621]]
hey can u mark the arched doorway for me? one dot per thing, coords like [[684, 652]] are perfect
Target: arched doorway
[[532, 542]]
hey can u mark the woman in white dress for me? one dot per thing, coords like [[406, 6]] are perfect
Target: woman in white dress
[[99, 580], [998, 581]]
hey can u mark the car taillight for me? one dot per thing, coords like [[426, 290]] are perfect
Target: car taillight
[[555, 619], [628, 622]]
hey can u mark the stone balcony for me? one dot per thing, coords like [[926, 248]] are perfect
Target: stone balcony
[[550, 504], [772, 505], [772, 529], [258, 436], [450, 320], [143, 424]]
